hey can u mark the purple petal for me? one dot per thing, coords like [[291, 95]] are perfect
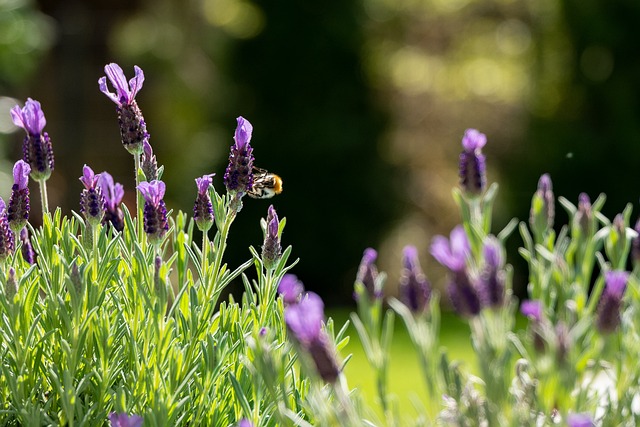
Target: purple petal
[[452, 254], [579, 420], [245, 423], [148, 150], [305, 318], [88, 178], [119, 82], [3, 206], [21, 171], [204, 182], [616, 282], [102, 85], [113, 192], [152, 191], [290, 288], [492, 252], [410, 257], [124, 420], [243, 132], [30, 117], [473, 140], [532, 309], [135, 84]]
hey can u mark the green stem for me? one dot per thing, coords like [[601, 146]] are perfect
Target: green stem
[[139, 199], [217, 261], [43, 196], [205, 258]]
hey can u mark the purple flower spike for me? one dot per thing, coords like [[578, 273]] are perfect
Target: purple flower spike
[[304, 321], [124, 420], [28, 254], [133, 129], [543, 206], [291, 289], [125, 93], [7, 237], [492, 277], [148, 162], [472, 166], [532, 309], [113, 193], [368, 274], [92, 204], [452, 253], [415, 289], [238, 177], [464, 295], [579, 420], [156, 223], [18, 209], [36, 147], [271, 249], [608, 312], [202, 208]]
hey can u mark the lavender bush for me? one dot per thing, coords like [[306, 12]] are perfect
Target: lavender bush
[[114, 317]]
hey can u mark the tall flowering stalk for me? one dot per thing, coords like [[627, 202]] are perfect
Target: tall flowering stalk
[[36, 149], [238, 177], [19, 207], [133, 128], [203, 217]]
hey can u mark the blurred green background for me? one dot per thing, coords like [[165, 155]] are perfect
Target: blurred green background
[[358, 104]]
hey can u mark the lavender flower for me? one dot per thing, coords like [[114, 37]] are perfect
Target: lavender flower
[[7, 238], [415, 289], [532, 309], [36, 148], [92, 204], [542, 206], [124, 420], [238, 178], [245, 423], [368, 274], [133, 129], [113, 194], [18, 209], [473, 175], [203, 209], [579, 420], [28, 253], [608, 312], [271, 249], [290, 288], [584, 218], [304, 321], [155, 212], [453, 254], [492, 278], [149, 163]]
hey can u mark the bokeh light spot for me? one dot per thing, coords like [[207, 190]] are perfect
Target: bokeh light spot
[[238, 18], [596, 63]]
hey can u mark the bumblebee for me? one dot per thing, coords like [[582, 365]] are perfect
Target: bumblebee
[[265, 184]]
